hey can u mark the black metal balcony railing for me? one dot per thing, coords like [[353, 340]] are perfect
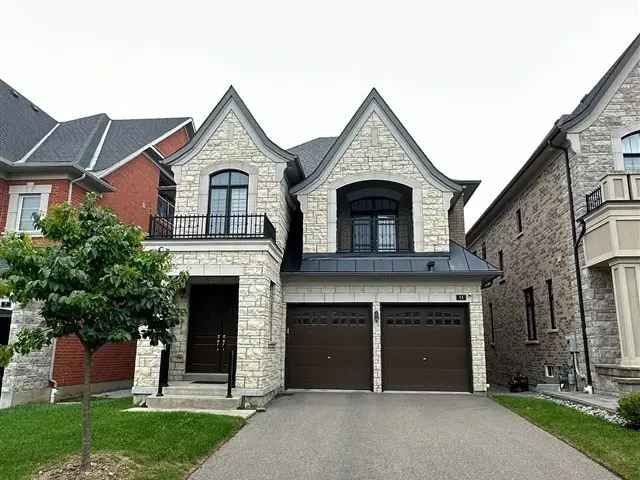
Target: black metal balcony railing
[[202, 227], [594, 199]]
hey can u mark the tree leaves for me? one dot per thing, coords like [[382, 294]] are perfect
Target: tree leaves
[[92, 279]]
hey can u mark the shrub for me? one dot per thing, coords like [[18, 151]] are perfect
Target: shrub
[[629, 409]]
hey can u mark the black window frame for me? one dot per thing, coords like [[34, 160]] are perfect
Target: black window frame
[[484, 251], [501, 262], [492, 325], [519, 224], [229, 187], [382, 208], [530, 315], [633, 155], [552, 311]]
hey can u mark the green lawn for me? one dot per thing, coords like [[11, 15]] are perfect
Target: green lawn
[[166, 445], [616, 447]]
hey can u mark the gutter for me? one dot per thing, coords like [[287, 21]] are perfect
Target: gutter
[[576, 259]]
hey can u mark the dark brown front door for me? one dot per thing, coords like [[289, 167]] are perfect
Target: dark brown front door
[[213, 327], [329, 346], [425, 347]]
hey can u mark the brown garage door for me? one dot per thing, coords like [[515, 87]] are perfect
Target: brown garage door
[[328, 346], [425, 347]]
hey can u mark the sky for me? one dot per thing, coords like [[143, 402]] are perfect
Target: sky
[[477, 84]]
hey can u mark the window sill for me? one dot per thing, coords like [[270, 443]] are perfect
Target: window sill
[[553, 330], [519, 234], [35, 233], [532, 342]]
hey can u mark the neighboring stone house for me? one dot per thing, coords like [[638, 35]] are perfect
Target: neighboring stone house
[[331, 265], [576, 202], [44, 162]]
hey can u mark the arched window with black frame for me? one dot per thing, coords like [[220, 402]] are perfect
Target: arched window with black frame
[[228, 196], [631, 151], [374, 227]]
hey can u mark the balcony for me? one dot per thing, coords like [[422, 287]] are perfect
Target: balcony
[[612, 222], [210, 227]]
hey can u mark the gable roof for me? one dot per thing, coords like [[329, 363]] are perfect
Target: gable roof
[[30, 139], [559, 130], [198, 140], [375, 97]]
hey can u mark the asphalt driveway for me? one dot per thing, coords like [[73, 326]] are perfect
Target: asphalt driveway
[[394, 436]]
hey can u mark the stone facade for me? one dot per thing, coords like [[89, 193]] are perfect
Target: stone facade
[[382, 158], [26, 378], [377, 291], [544, 251]]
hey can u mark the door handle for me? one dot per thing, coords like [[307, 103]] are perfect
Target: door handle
[[328, 357], [425, 358]]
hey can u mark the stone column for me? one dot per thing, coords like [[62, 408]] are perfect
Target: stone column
[[626, 287], [377, 347]]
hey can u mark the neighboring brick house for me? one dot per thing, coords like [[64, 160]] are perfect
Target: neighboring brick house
[[44, 162], [330, 265], [578, 195]]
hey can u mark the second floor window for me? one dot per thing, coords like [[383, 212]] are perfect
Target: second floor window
[[631, 151], [228, 194], [519, 220], [373, 223]]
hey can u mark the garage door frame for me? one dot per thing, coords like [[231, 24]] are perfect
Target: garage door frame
[[369, 307], [467, 320]]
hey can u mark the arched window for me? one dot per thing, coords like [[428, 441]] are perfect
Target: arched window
[[374, 225], [631, 151], [228, 194]]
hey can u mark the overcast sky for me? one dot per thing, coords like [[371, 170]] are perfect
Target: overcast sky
[[478, 84]]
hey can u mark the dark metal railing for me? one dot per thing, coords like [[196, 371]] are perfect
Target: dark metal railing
[[231, 371], [163, 376], [594, 199], [199, 227]]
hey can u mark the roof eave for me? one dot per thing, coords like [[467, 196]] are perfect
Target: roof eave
[[471, 275], [88, 179]]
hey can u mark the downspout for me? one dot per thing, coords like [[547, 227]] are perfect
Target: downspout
[[576, 259], [80, 178]]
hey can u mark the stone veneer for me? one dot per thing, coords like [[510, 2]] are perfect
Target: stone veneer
[[384, 157], [377, 291], [545, 251], [26, 378]]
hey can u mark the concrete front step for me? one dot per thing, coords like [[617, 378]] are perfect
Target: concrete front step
[[206, 377], [189, 389], [202, 402]]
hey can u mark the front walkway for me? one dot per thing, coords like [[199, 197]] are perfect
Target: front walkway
[[381, 436]]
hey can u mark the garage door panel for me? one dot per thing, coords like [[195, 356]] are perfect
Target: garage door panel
[[425, 347], [328, 346]]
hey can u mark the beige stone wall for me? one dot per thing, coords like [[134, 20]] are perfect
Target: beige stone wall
[[456, 222], [231, 147], [260, 348], [377, 291], [385, 155], [26, 378]]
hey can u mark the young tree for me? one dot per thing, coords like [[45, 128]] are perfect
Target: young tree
[[91, 279]]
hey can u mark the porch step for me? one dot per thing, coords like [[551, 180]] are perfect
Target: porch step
[[189, 389], [202, 402], [206, 377]]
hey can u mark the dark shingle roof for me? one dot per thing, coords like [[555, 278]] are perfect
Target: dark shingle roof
[[459, 261], [71, 142], [33, 139], [128, 136], [311, 153], [21, 125]]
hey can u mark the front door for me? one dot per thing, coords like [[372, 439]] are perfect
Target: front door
[[213, 327]]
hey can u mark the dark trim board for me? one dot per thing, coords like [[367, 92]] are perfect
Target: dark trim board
[[416, 386], [340, 376]]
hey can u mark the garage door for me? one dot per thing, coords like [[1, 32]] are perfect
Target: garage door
[[328, 346], [425, 347]]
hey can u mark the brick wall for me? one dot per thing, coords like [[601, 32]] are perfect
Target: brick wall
[[173, 142], [136, 195], [112, 362], [4, 203]]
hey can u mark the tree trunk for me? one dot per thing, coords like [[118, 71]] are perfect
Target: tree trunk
[[86, 412]]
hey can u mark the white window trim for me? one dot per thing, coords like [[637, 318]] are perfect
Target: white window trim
[[15, 205]]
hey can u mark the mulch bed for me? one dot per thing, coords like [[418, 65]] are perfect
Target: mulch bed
[[103, 466]]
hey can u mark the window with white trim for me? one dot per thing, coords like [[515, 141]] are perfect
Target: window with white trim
[[631, 151], [28, 208]]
